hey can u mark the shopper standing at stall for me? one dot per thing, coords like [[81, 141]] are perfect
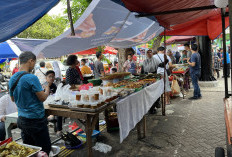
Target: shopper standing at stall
[[195, 71], [159, 57], [98, 66], [85, 69], [227, 62], [28, 94], [16, 69], [149, 65], [130, 65], [40, 73], [72, 75], [189, 53], [216, 60]]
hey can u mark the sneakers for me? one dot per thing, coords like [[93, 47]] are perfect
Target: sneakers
[[194, 98]]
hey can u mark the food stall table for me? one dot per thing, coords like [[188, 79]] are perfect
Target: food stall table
[[131, 109], [185, 84], [11, 119], [90, 117]]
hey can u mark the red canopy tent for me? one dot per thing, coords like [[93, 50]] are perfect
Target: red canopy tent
[[201, 22], [107, 50], [179, 39]]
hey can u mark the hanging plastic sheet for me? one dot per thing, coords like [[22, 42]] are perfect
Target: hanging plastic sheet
[[103, 23]]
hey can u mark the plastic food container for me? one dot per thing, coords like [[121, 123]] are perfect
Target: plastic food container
[[78, 96], [80, 104], [91, 96], [86, 105], [84, 96], [94, 105]]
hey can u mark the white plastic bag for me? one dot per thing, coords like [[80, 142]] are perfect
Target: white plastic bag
[[175, 87], [101, 147]]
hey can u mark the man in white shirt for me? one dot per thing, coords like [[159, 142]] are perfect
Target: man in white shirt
[[40, 73], [6, 107]]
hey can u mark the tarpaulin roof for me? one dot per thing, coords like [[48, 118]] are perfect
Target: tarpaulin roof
[[104, 22], [179, 39], [207, 25], [107, 50], [25, 44], [152, 6], [16, 16]]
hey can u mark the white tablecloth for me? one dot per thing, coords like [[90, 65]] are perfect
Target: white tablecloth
[[131, 109]]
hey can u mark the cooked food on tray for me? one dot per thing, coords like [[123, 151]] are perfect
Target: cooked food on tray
[[14, 149]]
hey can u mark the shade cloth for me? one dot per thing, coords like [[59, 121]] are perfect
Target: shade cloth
[[25, 44], [179, 39], [207, 25], [104, 22], [131, 109], [16, 16], [107, 50]]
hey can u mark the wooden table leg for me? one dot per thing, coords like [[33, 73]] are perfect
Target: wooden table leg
[[89, 131], [139, 130], [144, 126], [163, 104], [107, 120]]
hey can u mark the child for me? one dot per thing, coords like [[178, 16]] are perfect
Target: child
[[50, 78]]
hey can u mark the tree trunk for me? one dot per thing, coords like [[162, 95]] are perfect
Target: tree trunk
[[206, 59], [121, 59], [156, 43]]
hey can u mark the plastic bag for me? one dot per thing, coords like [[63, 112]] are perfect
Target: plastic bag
[[101, 147], [175, 87], [86, 86]]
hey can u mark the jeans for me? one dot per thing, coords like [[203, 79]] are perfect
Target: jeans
[[58, 123], [35, 132], [2, 131], [195, 77]]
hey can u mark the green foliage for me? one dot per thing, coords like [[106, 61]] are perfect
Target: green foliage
[[47, 27], [77, 8]]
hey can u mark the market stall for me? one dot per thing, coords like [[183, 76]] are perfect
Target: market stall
[[132, 96]]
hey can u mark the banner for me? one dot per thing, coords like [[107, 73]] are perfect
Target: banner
[[103, 23]]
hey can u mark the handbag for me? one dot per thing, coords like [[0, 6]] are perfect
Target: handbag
[[162, 64]]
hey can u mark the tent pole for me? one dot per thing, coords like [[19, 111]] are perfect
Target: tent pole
[[164, 102], [70, 18], [224, 53], [230, 23]]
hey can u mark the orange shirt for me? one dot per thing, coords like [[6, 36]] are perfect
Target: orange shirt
[[85, 70]]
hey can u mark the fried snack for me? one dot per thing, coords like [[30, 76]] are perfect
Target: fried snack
[[14, 149]]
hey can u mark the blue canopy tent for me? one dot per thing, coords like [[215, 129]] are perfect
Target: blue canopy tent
[[12, 48], [16, 16], [9, 50]]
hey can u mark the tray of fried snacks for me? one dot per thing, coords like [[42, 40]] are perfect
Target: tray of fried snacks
[[115, 75], [16, 149]]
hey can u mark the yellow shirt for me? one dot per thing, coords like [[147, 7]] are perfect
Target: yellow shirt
[[85, 70]]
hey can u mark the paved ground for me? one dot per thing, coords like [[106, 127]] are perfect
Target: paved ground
[[190, 129]]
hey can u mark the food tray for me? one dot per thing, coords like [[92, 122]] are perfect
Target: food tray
[[32, 147], [87, 109], [58, 106]]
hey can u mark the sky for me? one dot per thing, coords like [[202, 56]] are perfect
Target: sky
[[58, 9]]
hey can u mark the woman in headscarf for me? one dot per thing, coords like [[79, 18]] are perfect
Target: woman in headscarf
[[56, 69]]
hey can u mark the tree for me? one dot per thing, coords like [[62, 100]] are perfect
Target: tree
[[77, 8], [206, 59], [47, 27]]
